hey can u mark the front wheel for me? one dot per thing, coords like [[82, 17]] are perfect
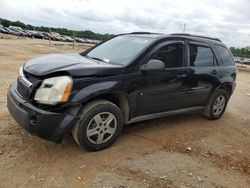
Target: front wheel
[[100, 124], [217, 105]]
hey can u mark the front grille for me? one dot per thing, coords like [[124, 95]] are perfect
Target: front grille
[[26, 83], [23, 90]]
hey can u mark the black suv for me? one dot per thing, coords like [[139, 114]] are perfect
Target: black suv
[[129, 78]]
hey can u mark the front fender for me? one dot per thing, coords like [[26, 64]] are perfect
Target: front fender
[[94, 90]]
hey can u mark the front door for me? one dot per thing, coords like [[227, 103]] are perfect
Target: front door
[[164, 90]]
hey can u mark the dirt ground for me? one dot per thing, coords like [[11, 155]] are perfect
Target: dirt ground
[[180, 151]]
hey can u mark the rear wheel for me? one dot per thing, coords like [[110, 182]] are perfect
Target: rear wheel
[[217, 105], [99, 126]]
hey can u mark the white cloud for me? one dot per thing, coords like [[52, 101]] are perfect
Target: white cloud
[[225, 19]]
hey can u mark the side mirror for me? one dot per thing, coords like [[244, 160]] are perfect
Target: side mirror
[[153, 64]]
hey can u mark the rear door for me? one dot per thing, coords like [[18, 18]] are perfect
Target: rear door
[[204, 74], [227, 65]]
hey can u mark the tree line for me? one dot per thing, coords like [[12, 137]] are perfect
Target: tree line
[[63, 31]]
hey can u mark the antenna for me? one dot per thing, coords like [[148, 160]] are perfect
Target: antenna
[[49, 36], [184, 28], [78, 42]]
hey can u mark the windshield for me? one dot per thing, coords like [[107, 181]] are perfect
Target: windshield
[[120, 50]]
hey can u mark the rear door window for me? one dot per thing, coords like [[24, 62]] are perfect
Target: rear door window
[[201, 56]]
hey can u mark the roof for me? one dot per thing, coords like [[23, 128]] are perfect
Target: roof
[[196, 36], [145, 34], [205, 39]]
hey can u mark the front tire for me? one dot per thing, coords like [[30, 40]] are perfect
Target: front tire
[[217, 105], [100, 124]]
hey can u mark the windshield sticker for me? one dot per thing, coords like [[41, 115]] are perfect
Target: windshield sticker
[[106, 60]]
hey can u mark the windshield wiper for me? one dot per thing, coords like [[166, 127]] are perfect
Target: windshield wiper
[[98, 59]]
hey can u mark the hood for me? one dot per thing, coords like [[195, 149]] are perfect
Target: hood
[[74, 64]]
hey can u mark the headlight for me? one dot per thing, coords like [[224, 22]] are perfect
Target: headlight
[[54, 90]]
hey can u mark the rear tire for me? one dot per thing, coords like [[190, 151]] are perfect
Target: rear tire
[[100, 124], [217, 105]]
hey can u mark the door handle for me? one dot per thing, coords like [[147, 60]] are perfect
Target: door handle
[[214, 71], [181, 76]]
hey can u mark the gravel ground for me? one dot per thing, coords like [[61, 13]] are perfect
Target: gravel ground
[[179, 151]]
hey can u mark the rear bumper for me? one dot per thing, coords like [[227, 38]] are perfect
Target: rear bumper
[[48, 125]]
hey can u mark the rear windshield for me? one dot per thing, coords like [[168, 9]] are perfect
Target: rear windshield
[[120, 50], [227, 58]]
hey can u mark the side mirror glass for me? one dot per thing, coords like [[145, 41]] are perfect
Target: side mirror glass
[[153, 64]]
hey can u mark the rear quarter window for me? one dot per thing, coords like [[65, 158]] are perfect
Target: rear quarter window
[[226, 57]]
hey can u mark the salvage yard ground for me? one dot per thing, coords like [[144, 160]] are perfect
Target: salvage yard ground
[[180, 151]]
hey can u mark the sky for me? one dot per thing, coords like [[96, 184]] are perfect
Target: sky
[[228, 20]]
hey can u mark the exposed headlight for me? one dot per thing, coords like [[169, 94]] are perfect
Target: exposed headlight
[[54, 90]]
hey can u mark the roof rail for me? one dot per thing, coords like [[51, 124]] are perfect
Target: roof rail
[[198, 36], [144, 32], [141, 32]]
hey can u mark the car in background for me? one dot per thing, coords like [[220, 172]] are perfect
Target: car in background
[[246, 61], [38, 35], [242, 60], [66, 38], [12, 32], [237, 59], [3, 30], [96, 41], [78, 39], [18, 30], [35, 34], [29, 33], [92, 41], [46, 35]]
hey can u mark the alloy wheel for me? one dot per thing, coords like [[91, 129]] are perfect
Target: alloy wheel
[[219, 105], [101, 128]]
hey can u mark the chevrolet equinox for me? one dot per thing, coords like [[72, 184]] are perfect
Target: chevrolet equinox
[[129, 78]]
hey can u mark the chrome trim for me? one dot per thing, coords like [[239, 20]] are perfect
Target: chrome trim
[[164, 114], [21, 78]]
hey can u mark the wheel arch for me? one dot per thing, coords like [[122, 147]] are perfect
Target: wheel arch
[[119, 99], [226, 86]]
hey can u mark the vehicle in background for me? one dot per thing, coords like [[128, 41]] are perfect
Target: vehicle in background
[[66, 38], [15, 27], [55, 36], [78, 39], [12, 32], [18, 31], [38, 35], [242, 60], [237, 59], [46, 35], [29, 33], [96, 41], [3, 30], [91, 41], [246, 61]]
